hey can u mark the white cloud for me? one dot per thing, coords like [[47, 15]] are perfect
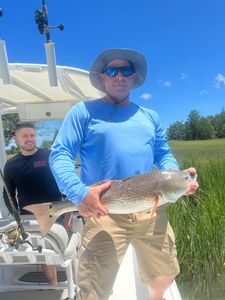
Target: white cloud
[[146, 96], [204, 92], [167, 83], [183, 76], [219, 81]]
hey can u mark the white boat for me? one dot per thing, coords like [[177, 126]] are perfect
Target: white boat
[[30, 95]]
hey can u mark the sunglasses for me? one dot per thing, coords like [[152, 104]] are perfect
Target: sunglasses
[[112, 71]]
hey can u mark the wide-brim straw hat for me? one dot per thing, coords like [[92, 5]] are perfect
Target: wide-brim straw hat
[[137, 60]]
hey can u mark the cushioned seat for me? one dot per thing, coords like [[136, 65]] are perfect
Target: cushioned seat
[[56, 248]]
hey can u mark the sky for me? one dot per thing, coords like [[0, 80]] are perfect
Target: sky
[[182, 40]]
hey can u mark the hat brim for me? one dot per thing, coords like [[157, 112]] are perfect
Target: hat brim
[[137, 60]]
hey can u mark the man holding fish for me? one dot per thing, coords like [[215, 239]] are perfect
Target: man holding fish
[[117, 139]]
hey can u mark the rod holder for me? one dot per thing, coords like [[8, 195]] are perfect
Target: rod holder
[[51, 62], [4, 66]]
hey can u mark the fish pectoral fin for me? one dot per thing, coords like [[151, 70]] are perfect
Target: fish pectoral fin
[[155, 204]]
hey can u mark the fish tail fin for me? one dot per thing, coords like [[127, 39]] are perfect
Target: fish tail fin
[[154, 207], [43, 215]]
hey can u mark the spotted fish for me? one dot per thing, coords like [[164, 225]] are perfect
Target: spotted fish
[[129, 195]]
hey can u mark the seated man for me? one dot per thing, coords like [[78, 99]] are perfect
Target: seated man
[[30, 181]]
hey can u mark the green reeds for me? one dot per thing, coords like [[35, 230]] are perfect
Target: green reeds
[[199, 221]]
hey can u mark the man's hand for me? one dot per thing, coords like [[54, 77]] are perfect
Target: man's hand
[[193, 186], [91, 205]]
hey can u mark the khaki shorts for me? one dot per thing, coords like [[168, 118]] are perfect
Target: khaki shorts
[[104, 245]]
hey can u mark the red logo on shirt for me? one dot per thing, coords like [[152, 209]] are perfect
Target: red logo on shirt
[[40, 164]]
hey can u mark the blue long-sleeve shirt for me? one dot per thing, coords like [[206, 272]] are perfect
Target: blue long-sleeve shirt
[[112, 141]]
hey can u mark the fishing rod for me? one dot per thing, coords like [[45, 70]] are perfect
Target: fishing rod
[[16, 214], [41, 19]]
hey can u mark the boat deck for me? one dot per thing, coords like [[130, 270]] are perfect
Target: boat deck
[[127, 286]]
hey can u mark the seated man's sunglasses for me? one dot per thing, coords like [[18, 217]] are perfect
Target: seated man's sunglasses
[[112, 71]]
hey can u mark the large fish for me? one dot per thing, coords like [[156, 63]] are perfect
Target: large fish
[[129, 195]]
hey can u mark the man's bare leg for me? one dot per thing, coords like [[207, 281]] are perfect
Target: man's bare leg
[[158, 287], [50, 273]]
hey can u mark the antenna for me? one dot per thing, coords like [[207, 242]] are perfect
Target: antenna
[[41, 19], [4, 67]]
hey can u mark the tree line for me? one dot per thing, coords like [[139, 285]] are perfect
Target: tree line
[[195, 128], [198, 128]]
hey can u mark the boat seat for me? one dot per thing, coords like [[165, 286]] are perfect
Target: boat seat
[[56, 248]]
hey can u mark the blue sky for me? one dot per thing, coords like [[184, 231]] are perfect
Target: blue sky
[[183, 41]]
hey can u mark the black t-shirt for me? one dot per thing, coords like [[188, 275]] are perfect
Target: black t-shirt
[[30, 180]]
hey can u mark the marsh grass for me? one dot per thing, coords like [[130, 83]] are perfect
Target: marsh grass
[[199, 221]]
